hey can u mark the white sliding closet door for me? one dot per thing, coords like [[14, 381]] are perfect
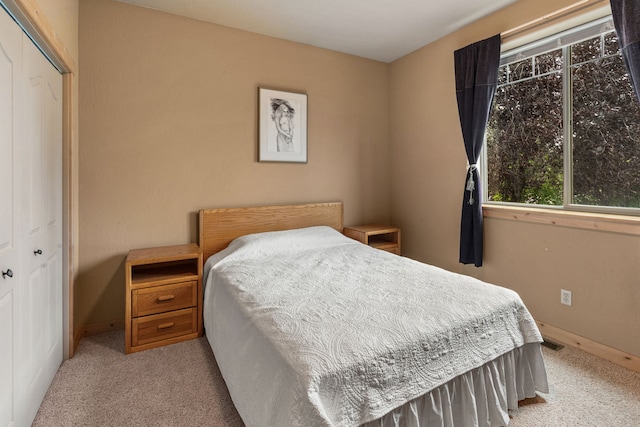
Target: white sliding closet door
[[10, 221], [31, 238]]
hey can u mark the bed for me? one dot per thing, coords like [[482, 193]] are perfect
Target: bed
[[311, 328]]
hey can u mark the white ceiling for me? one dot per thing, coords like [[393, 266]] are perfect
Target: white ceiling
[[383, 30]]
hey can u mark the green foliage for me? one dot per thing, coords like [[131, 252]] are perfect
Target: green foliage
[[526, 129], [524, 141]]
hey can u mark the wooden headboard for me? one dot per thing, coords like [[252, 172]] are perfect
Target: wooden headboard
[[218, 227]]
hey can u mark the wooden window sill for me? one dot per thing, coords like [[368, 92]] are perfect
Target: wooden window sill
[[623, 224]]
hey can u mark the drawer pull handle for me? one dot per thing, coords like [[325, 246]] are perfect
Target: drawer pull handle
[[165, 298], [166, 325]]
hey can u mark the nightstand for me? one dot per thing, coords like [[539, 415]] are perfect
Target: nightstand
[[163, 296], [378, 236]]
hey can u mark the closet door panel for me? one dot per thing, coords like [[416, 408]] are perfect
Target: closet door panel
[[53, 317], [29, 332], [9, 74], [52, 220], [52, 158], [32, 149], [51, 243], [10, 225], [6, 358], [30, 225], [30, 380], [39, 321]]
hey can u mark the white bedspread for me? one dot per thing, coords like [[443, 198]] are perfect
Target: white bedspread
[[311, 328]]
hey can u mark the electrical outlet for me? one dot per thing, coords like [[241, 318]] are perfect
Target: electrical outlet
[[565, 297]]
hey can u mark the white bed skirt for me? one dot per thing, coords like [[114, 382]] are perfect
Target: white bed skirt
[[481, 397]]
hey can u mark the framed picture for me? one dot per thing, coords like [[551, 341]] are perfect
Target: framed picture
[[282, 126]]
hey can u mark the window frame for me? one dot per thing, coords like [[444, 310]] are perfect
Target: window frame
[[580, 31]]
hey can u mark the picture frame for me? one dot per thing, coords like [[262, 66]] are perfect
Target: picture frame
[[282, 126]]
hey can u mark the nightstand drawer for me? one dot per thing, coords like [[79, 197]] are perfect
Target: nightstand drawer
[[159, 299], [163, 326]]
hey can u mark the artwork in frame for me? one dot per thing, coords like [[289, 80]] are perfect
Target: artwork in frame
[[282, 126]]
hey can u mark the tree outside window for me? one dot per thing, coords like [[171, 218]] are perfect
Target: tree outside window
[[565, 125]]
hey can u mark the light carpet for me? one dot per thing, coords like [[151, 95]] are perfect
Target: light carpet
[[180, 385]]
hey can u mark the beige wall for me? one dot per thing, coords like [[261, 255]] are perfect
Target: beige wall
[[428, 167], [168, 126]]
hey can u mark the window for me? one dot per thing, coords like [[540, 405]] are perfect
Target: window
[[565, 125]]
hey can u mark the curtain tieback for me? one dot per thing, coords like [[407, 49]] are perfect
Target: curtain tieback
[[471, 185]]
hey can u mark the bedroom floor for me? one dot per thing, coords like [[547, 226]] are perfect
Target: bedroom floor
[[181, 385]]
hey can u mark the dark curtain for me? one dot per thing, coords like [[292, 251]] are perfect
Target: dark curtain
[[626, 18], [476, 68]]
